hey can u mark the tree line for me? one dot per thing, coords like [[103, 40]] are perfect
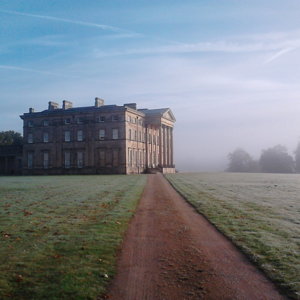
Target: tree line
[[272, 160], [10, 137]]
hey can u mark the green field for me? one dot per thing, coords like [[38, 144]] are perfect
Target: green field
[[59, 234], [259, 212]]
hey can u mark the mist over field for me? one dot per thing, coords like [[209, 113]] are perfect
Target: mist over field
[[229, 70]]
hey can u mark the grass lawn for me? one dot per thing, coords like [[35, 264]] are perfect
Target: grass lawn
[[59, 234], [259, 212]]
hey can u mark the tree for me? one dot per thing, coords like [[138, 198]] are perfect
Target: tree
[[10, 138], [241, 161], [276, 160], [297, 158]]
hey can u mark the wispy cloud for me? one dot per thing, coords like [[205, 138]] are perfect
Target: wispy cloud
[[48, 40], [81, 23], [278, 54], [283, 44], [45, 41], [219, 46], [15, 68], [123, 35]]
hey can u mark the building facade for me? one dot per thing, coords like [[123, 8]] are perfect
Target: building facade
[[11, 159], [99, 139]]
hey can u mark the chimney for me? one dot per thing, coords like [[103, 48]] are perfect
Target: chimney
[[67, 104], [131, 105], [52, 105], [99, 102], [31, 110]]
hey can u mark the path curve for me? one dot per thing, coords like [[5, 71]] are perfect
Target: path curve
[[171, 252]]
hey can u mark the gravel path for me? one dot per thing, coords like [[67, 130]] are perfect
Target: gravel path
[[171, 252]]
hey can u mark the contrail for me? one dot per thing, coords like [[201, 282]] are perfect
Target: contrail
[[89, 24], [14, 68], [278, 54]]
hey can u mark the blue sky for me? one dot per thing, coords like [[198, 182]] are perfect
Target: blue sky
[[229, 70]]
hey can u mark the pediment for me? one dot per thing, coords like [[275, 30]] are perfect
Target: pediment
[[169, 115]]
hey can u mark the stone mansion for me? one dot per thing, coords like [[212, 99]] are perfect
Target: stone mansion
[[99, 139]]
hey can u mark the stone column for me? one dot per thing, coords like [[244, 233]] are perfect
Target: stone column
[[165, 147], [160, 161], [168, 146], [172, 149], [147, 146]]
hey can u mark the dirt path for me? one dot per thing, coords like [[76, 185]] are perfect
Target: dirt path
[[171, 252]]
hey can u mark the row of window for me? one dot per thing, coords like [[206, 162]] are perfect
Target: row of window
[[79, 120], [77, 159], [141, 137], [138, 158], [67, 159], [135, 158], [135, 120], [134, 136], [102, 135]]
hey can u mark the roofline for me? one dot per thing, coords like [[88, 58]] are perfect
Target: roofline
[[74, 110]]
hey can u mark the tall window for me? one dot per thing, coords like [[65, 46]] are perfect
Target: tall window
[[115, 134], [67, 159], [80, 159], [115, 157], [30, 138], [115, 117], [30, 160], [101, 119], [46, 160], [129, 157], [30, 123], [101, 134], [45, 137], [45, 123], [135, 136], [79, 135], [80, 120], [67, 136], [129, 134], [132, 157], [102, 158]]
